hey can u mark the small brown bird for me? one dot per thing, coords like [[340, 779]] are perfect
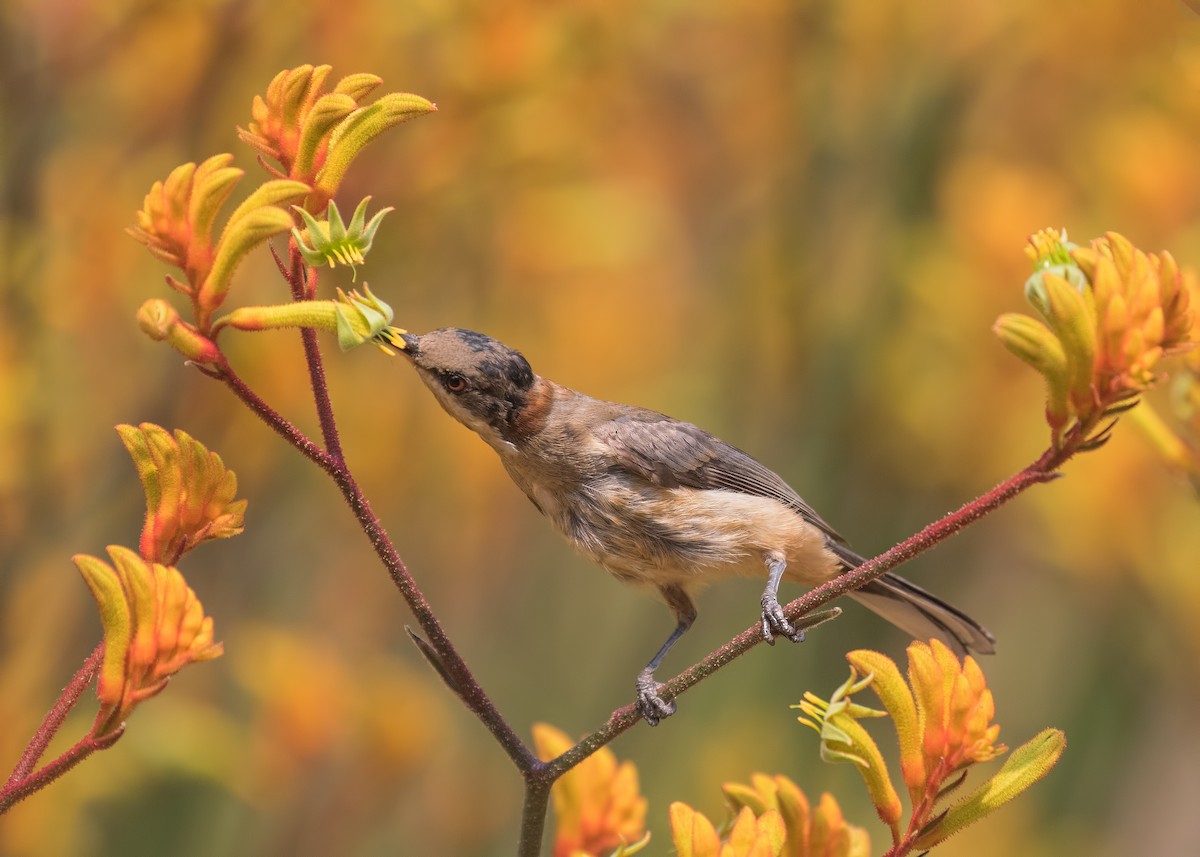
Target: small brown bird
[[655, 501]]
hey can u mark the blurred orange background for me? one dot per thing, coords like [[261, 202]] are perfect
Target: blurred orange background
[[790, 222]]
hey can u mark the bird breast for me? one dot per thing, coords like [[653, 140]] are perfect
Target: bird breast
[[658, 536]]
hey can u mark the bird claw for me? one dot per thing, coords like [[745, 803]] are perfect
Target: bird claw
[[650, 704], [774, 622]]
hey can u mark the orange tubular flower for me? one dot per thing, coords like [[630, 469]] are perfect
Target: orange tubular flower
[[189, 492], [176, 225], [1109, 314], [314, 135], [597, 803], [154, 626], [809, 832], [954, 708], [1144, 311]]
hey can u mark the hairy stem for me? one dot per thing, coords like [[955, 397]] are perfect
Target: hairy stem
[[55, 716], [538, 781], [24, 787]]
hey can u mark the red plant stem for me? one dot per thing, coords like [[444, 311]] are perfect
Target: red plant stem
[[272, 418], [921, 813], [320, 390], [53, 721], [303, 283], [23, 788]]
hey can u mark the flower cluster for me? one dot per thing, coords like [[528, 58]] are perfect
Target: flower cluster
[[189, 492], [313, 135], [809, 831], [154, 626], [153, 623], [1109, 313], [943, 717], [176, 225], [600, 811]]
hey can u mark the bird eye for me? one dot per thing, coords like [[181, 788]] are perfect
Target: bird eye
[[455, 383]]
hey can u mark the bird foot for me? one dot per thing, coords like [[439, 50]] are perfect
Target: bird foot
[[774, 622], [651, 705]]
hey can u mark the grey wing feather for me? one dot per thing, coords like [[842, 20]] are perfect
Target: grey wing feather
[[675, 454]]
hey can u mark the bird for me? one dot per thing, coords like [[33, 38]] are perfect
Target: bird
[[657, 502]]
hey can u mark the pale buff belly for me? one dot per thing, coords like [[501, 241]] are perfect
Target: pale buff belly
[[659, 536]]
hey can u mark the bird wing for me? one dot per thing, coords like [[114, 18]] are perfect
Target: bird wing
[[674, 454]]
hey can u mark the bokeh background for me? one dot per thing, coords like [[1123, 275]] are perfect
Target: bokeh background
[[791, 222]]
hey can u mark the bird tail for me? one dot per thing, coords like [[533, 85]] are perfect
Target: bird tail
[[924, 615]]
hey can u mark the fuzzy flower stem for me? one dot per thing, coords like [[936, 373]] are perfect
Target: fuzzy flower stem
[[922, 814], [316, 374], [297, 278], [23, 788], [54, 719], [271, 417]]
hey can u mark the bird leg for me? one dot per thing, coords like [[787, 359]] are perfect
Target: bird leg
[[651, 705], [773, 620]]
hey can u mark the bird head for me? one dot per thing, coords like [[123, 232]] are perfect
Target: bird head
[[480, 382]]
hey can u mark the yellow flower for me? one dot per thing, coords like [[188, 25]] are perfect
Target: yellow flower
[[314, 135], [954, 708], [750, 836], [154, 626], [176, 219], [809, 832], [943, 718], [597, 803], [356, 319], [176, 225], [161, 322], [1109, 314], [843, 738], [189, 492], [1143, 308]]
